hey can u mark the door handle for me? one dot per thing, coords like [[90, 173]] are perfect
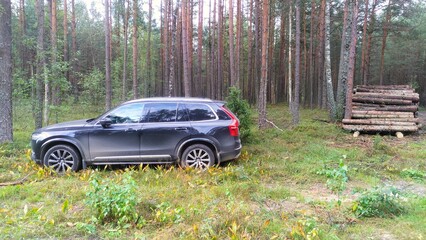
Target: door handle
[[130, 130], [181, 128]]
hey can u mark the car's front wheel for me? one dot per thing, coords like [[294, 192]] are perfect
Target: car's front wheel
[[62, 158], [197, 156]]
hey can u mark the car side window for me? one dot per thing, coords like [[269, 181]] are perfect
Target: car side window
[[200, 112], [129, 113], [182, 114], [159, 112]]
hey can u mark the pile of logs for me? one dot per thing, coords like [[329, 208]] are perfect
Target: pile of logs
[[391, 108]]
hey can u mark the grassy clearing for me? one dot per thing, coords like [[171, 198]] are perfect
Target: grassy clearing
[[273, 190]]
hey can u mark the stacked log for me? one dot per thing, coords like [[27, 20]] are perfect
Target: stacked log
[[391, 108]]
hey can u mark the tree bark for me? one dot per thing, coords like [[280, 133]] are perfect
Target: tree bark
[[135, 87], [364, 41], [185, 43], [295, 107], [65, 26], [351, 63], [200, 48], [384, 38], [107, 29], [264, 66], [41, 61], [74, 62], [231, 43], [344, 60], [6, 124], [238, 46], [125, 50], [220, 51], [290, 84], [367, 58], [330, 92], [147, 85], [173, 53]]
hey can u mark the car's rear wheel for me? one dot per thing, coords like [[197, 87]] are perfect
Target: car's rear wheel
[[62, 158], [197, 156]]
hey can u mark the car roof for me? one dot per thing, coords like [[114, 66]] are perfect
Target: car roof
[[173, 99]]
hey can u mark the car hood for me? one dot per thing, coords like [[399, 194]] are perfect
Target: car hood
[[65, 126]]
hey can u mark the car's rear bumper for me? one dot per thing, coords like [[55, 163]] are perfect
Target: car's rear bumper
[[231, 155]]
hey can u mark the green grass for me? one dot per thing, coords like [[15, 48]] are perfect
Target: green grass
[[272, 191]]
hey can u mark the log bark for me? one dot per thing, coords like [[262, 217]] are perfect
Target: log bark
[[413, 108], [377, 122], [382, 113], [403, 96], [380, 116], [391, 87], [380, 100], [389, 91], [380, 128]]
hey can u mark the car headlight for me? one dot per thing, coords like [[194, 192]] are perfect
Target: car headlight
[[40, 135]]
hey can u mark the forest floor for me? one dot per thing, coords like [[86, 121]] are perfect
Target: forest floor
[[313, 181]]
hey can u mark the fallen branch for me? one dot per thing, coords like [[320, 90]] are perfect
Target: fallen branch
[[15, 182], [273, 124]]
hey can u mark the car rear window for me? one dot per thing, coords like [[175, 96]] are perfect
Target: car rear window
[[200, 112]]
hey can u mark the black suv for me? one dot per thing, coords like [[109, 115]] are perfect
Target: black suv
[[190, 131]]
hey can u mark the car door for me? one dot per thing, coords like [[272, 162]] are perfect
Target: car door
[[120, 141], [165, 125]]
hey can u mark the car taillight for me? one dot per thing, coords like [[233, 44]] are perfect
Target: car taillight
[[233, 127]]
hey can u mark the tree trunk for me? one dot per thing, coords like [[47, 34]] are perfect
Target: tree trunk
[[74, 62], [364, 41], [49, 92], [344, 60], [220, 51], [107, 29], [200, 48], [330, 92], [147, 85], [264, 66], [352, 56], [295, 107], [125, 49], [185, 43], [250, 84], [65, 26], [231, 43], [366, 75], [384, 38], [6, 128], [238, 46], [38, 115], [320, 56], [311, 57], [290, 84], [173, 53], [135, 87]]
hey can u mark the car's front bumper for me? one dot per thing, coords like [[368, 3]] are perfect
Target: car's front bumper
[[33, 157]]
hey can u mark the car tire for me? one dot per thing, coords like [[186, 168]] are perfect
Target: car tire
[[197, 156], [62, 158]]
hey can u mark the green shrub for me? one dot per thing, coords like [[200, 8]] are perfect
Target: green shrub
[[378, 202], [413, 174], [113, 201], [241, 108]]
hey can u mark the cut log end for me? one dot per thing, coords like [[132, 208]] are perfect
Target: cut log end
[[399, 135], [356, 134]]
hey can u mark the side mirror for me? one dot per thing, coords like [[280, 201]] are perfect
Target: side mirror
[[106, 122]]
